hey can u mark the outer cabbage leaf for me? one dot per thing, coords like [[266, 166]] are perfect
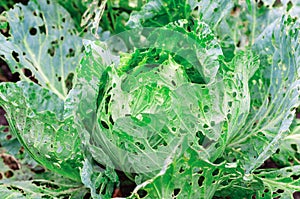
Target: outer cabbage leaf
[[265, 183], [25, 183], [248, 19], [41, 189], [274, 89], [279, 183], [236, 75], [37, 117], [43, 39], [187, 176]]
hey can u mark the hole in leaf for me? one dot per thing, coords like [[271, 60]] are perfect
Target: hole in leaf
[[266, 190], [216, 172], [260, 4], [51, 51], [9, 174], [32, 31], [71, 53], [176, 192], [42, 29], [228, 116], [142, 193], [107, 100], [15, 56], [111, 120], [280, 191], [69, 81], [27, 73], [295, 177], [294, 147], [140, 145], [239, 44], [201, 180], [205, 109], [205, 126], [46, 184], [104, 124], [181, 170], [173, 83], [8, 137], [289, 6]]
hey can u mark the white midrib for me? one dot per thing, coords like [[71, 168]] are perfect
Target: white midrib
[[280, 184], [41, 73]]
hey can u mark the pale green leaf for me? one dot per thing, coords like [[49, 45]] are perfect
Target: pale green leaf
[[44, 40], [279, 183], [36, 117], [275, 94]]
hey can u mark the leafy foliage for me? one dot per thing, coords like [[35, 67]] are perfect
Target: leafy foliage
[[45, 36], [188, 102]]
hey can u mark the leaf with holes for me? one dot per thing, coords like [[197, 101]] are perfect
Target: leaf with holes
[[37, 117], [187, 176], [280, 183], [41, 188], [138, 122], [43, 40], [274, 91]]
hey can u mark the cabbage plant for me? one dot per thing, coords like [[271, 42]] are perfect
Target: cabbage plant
[[189, 101]]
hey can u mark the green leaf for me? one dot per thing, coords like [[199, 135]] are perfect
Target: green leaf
[[186, 176], [41, 189], [84, 102], [36, 117], [92, 16], [44, 40], [7, 193], [279, 183], [9, 142], [247, 20], [101, 183], [274, 89]]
